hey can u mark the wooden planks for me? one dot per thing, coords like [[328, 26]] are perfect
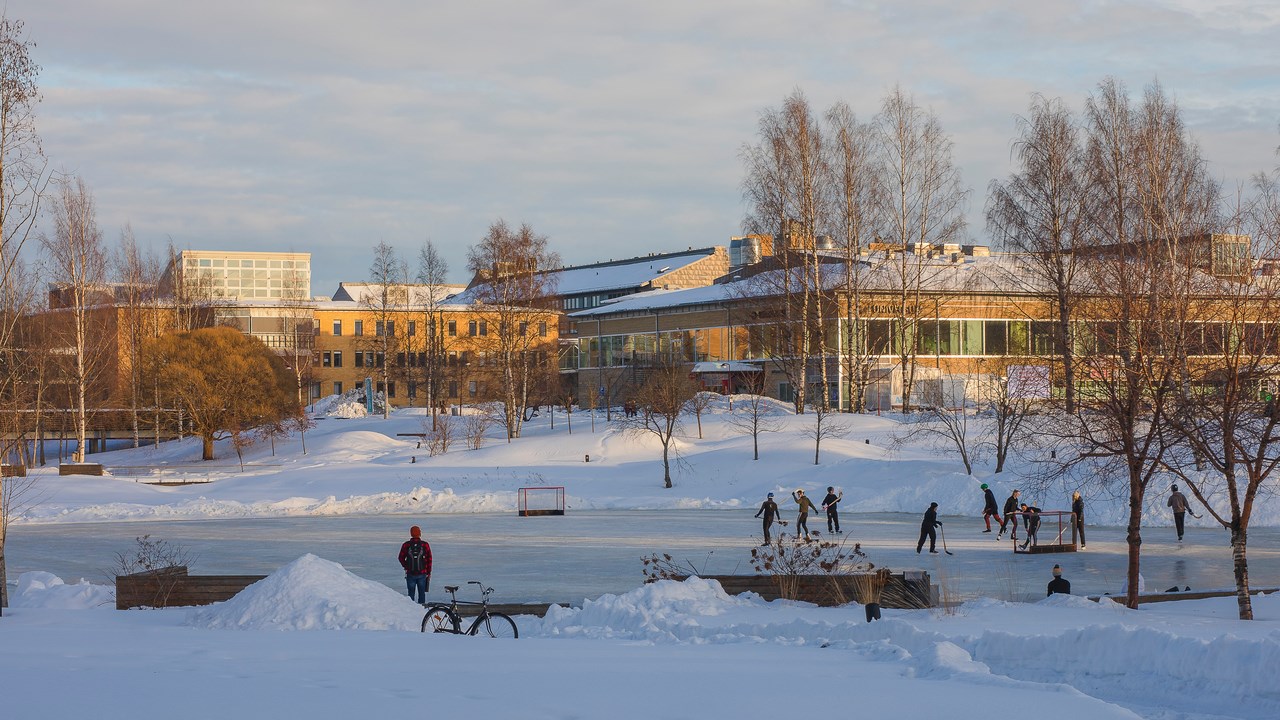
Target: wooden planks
[[904, 590], [173, 587], [80, 469]]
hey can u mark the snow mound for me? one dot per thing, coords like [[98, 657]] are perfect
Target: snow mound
[[46, 590], [664, 610], [311, 593], [347, 405]]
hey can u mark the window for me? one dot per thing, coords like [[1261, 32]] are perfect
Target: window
[[400, 360], [453, 328], [524, 328], [382, 360], [359, 359], [378, 328], [327, 359], [484, 328], [466, 357], [471, 388], [542, 329], [391, 328], [337, 358], [471, 328], [337, 328], [453, 388], [391, 389], [413, 330], [359, 329], [337, 387], [453, 359], [997, 342], [413, 390], [368, 359]]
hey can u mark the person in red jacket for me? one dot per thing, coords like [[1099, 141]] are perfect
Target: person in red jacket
[[415, 558]]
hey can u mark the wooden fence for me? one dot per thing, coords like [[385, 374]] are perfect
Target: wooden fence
[[907, 590], [173, 587]]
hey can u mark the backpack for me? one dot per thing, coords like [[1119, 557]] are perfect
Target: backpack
[[415, 557]]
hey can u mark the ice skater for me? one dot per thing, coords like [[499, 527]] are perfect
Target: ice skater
[[928, 529], [1031, 518], [1010, 515], [833, 515], [802, 519], [769, 511], [1178, 502], [1077, 515], [990, 509]]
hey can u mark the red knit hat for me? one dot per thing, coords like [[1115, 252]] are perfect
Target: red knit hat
[[415, 531]]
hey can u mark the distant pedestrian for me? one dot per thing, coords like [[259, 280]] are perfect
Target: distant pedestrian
[[769, 511], [833, 515], [1077, 515], [1059, 584], [990, 508], [1010, 515], [1178, 502], [1031, 518], [415, 558], [802, 520], [928, 529]]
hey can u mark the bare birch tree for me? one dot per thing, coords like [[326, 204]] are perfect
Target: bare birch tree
[[78, 264], [923, 209], [432, 272], [385, 301]]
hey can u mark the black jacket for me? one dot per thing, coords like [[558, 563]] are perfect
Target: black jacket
[[930, 519], [769, 508], [1077, 507], [1059, 585], [829, 502], [991, 501], [1011, 505]]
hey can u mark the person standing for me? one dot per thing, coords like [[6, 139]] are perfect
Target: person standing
[[990, 508], [928, 529], [1178, 502], [1010, 515], [769, 510], [1059, 584], [833, 516], [802, 520], [415, 558], [1077, 515]]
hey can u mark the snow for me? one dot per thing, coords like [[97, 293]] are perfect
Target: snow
[[663, 650]]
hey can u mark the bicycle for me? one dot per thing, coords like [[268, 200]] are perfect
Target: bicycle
[[443, 618]]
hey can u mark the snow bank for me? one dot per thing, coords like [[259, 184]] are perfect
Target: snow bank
[[46, 590], [312, 594], [664, 610]]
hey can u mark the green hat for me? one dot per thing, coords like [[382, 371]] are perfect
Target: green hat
[[984, 486]]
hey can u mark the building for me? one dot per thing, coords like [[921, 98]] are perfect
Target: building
[[227, 275]]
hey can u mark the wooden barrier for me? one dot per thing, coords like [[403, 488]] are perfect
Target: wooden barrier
[[13, 470], [905, 590], [1186, 595], [173, 587], [80, 469]]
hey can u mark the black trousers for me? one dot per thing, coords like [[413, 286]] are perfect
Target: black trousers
[[767, 523], [1178, 520], [833, 520], [1080, 528], [931, 534], [802, 524]]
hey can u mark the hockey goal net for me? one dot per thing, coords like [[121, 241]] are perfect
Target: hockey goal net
[[541, 501]]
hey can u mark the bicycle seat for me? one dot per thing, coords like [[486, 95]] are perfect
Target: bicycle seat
[[451, 588]]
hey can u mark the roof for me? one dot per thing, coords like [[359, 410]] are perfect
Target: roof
[[417, 293], [625, 274]]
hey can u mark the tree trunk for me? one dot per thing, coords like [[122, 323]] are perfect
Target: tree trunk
[[207, 447], [755, 444], [666, 466], [1134, 540], [1241, 567]]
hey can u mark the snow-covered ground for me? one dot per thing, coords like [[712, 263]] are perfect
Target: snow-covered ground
[[668, 650], [364, 465]]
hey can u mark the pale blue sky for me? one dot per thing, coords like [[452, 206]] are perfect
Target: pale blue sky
[[613, 128]]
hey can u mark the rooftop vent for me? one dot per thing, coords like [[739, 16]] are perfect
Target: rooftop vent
[[663, 269]]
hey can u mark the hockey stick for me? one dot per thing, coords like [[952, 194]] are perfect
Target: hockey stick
[[943, 532]]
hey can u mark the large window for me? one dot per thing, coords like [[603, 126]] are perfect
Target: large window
[[337, 358], [337, 328], [359, 328]]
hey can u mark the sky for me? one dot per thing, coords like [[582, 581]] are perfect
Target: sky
[[615, 129]]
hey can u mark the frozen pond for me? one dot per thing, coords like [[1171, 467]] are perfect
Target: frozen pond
[[586, 554]]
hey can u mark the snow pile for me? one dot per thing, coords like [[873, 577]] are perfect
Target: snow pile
[[349, 404], [311, 593], [46, 590], [664, 610]]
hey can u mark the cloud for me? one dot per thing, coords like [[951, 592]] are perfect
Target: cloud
[[614, 128]]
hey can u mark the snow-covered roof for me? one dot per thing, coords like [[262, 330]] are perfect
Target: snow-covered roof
[[416, 293], [624, 274]]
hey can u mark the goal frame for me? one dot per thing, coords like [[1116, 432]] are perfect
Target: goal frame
[[522, 501]]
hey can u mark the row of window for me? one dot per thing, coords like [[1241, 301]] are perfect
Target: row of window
[[475, 328], [260, 264], [473, 389], [950, 338], [375, 359]]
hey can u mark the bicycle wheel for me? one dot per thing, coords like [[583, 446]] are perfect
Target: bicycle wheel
[[440, 618], [496, 625]]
